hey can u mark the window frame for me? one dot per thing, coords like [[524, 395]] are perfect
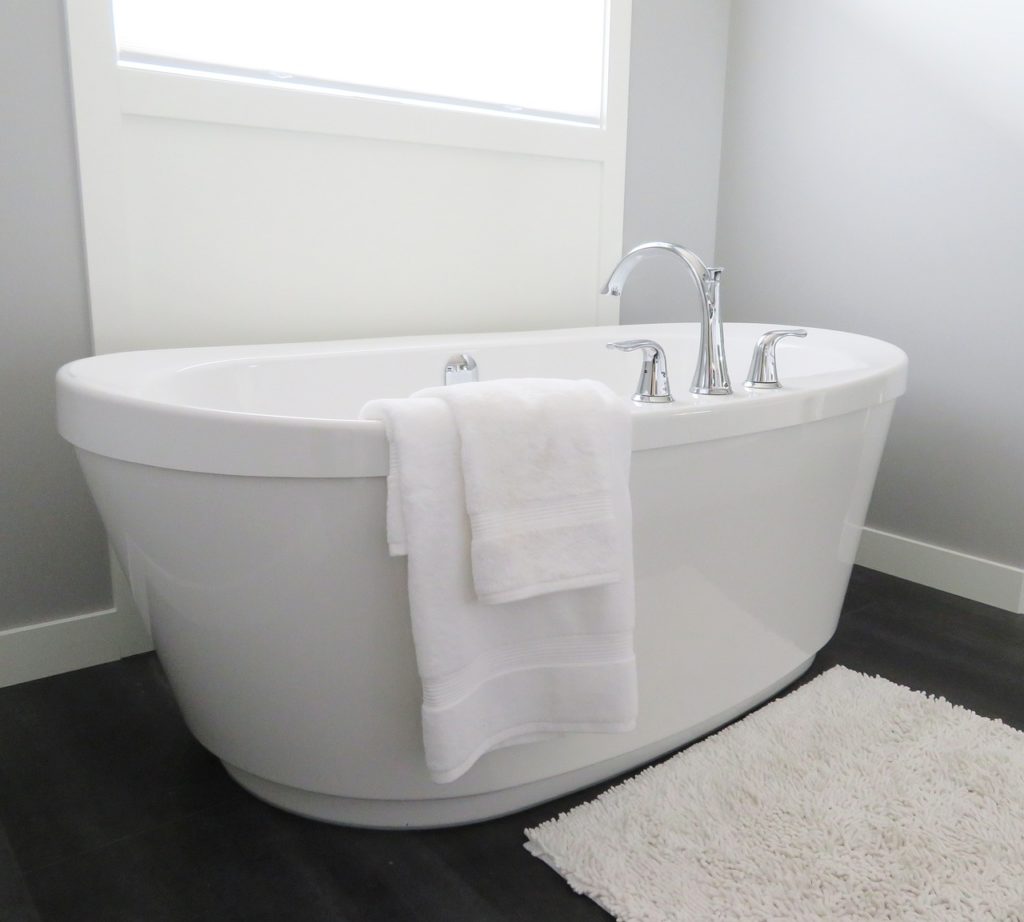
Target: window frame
[[143, 90], [106, 93]]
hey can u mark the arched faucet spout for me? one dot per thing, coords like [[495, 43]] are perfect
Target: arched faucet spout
[[646, 250], [712, 374]]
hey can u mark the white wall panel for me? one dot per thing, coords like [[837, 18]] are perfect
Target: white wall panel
[[218, 212], [246, 234]]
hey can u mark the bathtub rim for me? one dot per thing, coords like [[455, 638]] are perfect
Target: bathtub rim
[[118, 420]]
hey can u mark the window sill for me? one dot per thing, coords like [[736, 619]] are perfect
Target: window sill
[[158, 93]]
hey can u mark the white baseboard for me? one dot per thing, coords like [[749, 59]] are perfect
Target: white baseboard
[[973, 578], [49, 647], [61, 644]]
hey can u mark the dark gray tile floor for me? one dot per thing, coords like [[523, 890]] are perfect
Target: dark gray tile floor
[[111, 812]]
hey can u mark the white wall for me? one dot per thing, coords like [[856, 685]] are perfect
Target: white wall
[[872, 181], [242, 234], [219, 212]]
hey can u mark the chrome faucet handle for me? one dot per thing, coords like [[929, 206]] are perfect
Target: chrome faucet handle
[[763, 372], [460, 368], [653, 386]]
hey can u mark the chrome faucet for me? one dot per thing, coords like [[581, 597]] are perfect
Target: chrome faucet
[[764, 373], [653, 386], [712, 374], [460, 368]]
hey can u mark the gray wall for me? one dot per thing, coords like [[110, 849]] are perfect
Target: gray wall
[[873, 181], [862, 188], [676, 94], [53, 554]]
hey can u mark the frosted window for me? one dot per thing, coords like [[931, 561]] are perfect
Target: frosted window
[[541, 57]]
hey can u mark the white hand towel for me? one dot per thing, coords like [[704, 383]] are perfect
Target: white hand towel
[[537, 462], [497, 675]]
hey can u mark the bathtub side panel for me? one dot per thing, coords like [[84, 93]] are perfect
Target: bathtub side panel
[[284, 627], [278, 616]]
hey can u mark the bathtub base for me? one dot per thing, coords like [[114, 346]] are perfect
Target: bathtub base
[[442, 811]]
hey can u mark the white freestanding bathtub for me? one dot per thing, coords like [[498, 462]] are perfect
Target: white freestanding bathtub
[[245, 500]]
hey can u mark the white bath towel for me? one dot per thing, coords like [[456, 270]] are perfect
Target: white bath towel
[[537, 462], [496, 675]]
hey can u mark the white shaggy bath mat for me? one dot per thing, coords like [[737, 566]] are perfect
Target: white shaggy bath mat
[[850, 799]]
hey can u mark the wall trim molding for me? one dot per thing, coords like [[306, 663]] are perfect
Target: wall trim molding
[[34, 651], [951, 571]]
